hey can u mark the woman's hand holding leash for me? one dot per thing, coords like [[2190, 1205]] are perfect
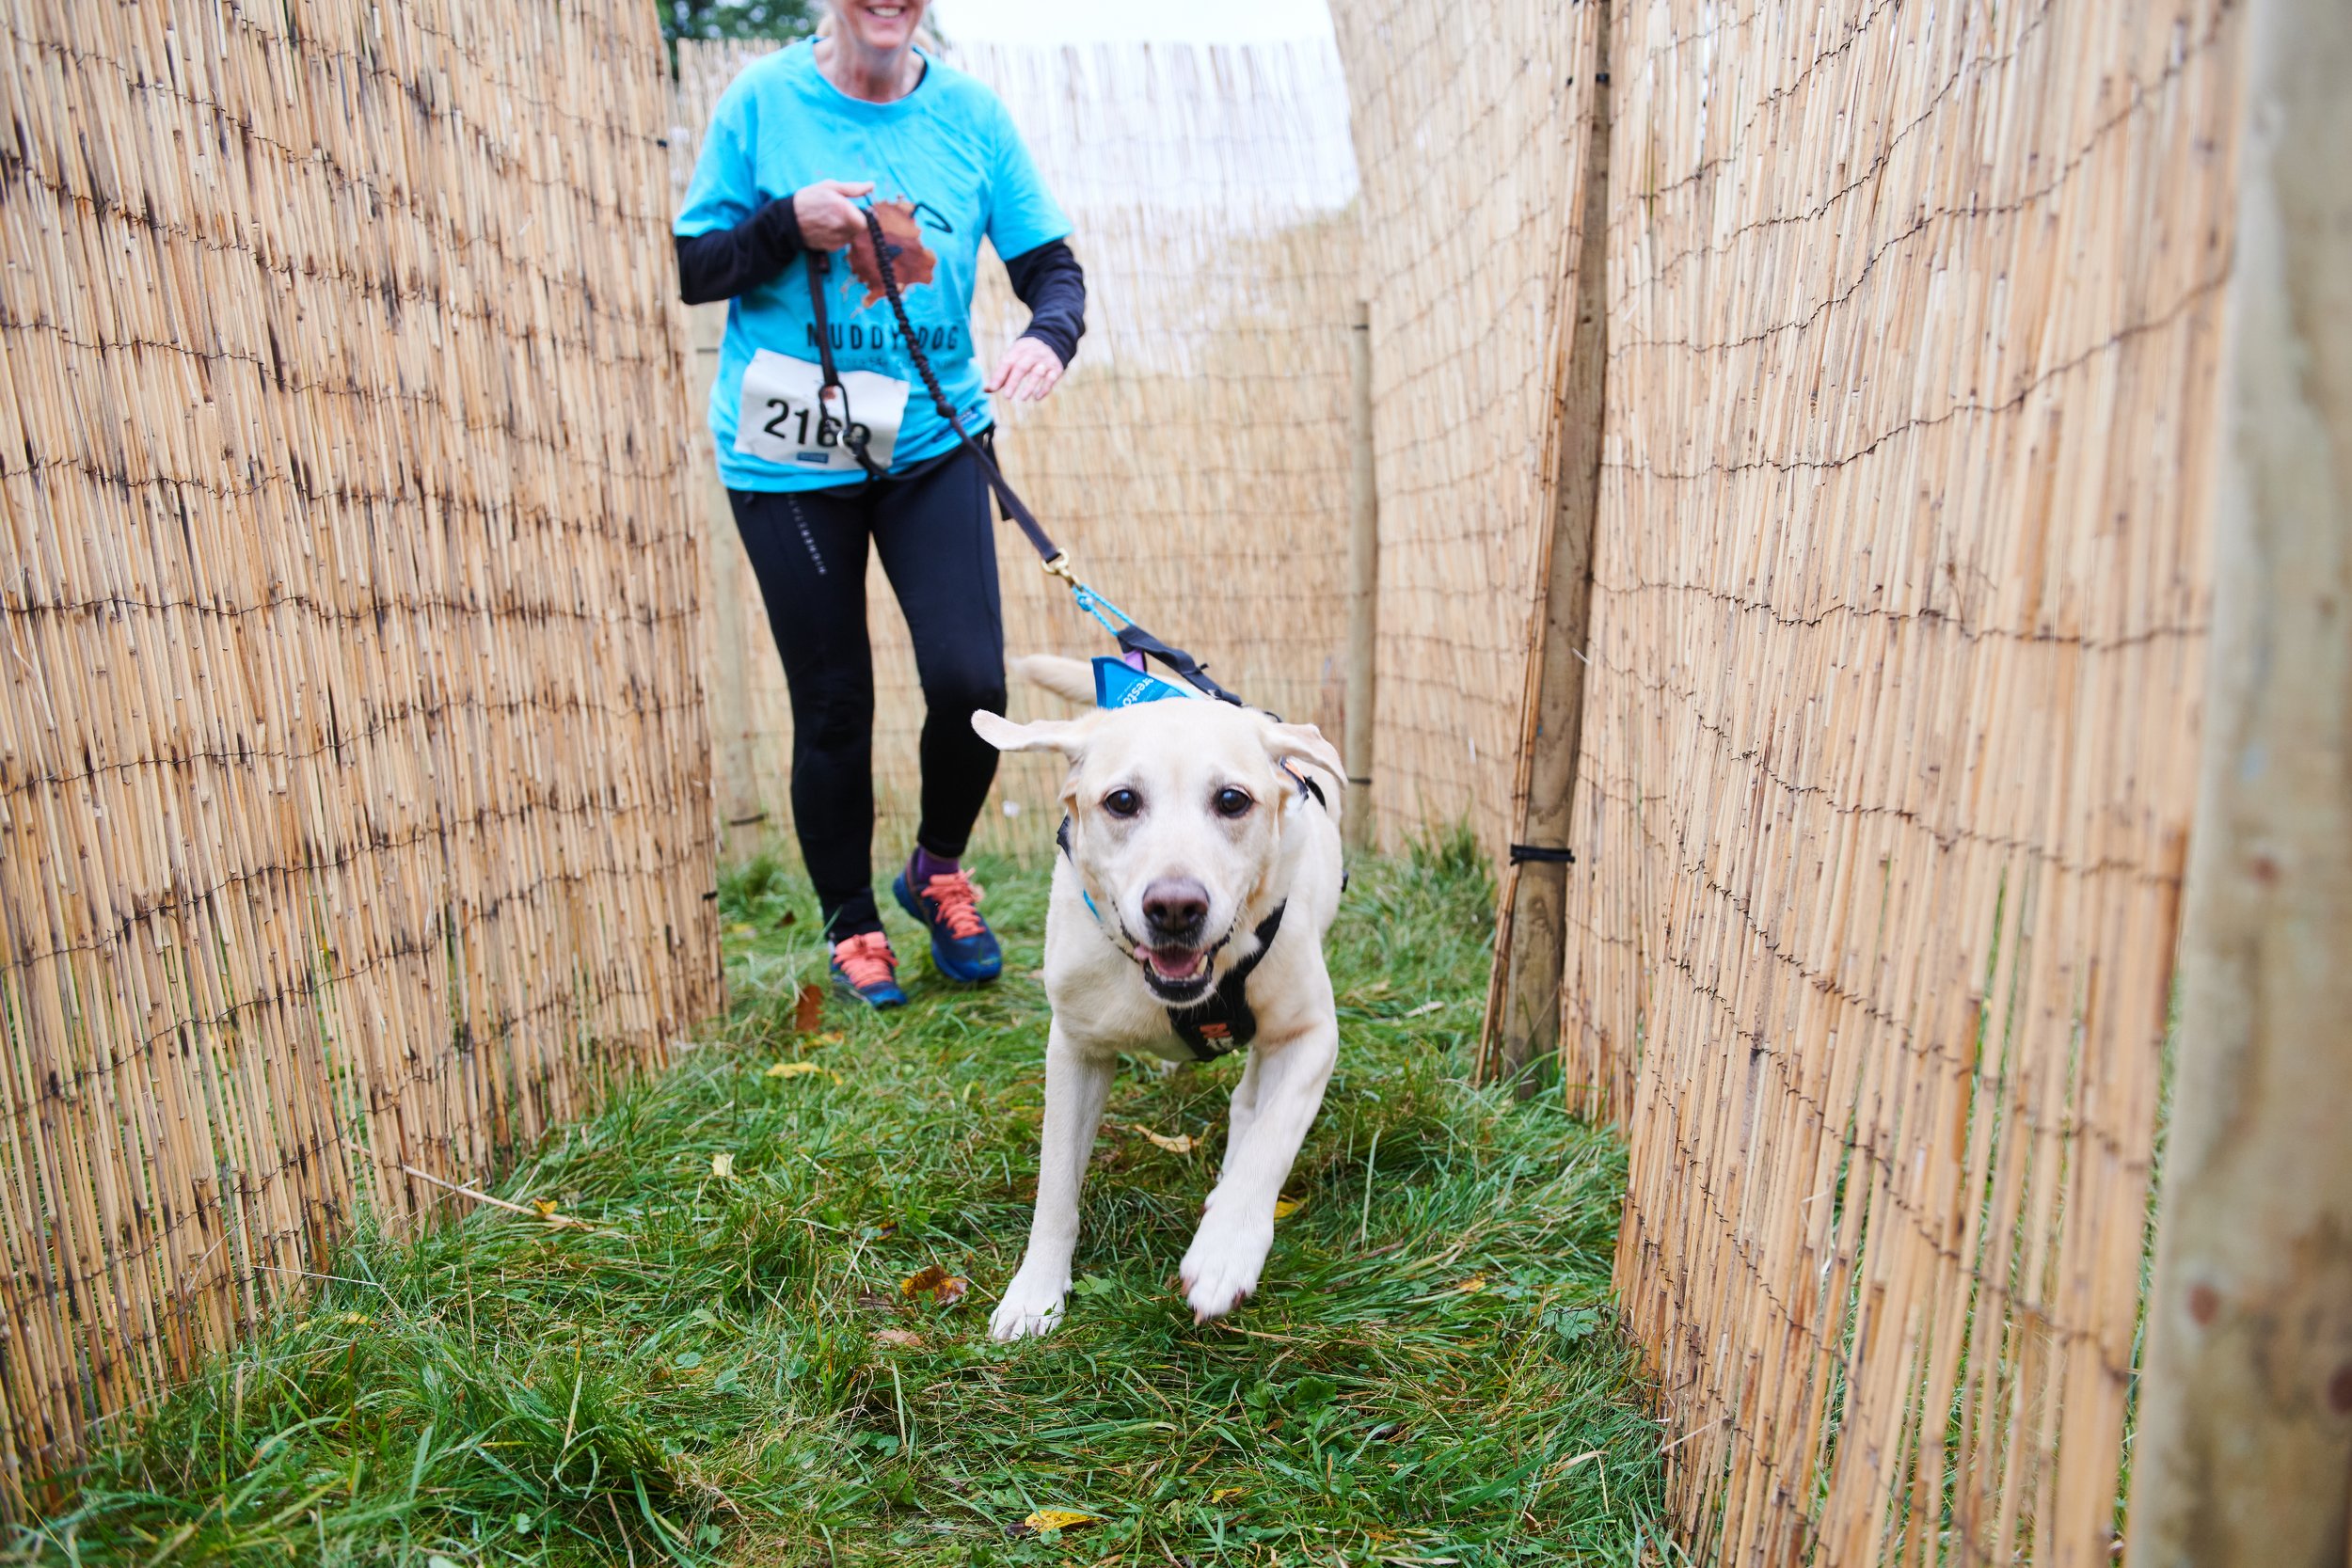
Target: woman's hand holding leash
[[1027, 373], [830, 217], [827, 214]]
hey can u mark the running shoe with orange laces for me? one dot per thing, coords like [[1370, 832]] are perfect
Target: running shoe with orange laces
[[962, 947], [864, 967]]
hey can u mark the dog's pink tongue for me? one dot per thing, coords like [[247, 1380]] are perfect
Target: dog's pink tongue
[[1180, 963]]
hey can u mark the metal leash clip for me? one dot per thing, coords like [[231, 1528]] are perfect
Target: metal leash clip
[[842, 429]]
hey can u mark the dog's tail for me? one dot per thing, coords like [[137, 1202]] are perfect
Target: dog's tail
[[1070, 679]]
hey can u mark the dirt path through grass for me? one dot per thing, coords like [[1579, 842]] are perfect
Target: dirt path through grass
[[721, 1366]]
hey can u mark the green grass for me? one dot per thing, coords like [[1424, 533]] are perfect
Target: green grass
[[1430, 1373]]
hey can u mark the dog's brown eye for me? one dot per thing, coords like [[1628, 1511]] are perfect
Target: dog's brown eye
[[1233, 802], [1122, 802]]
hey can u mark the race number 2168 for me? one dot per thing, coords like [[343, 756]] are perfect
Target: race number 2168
[[783, 419]]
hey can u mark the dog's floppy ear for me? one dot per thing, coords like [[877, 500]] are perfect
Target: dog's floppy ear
[[1304, 743], [1066, 735]]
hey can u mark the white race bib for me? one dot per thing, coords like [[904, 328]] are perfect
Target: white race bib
[[783, 420]]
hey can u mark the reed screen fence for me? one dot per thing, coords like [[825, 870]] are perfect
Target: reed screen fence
[[1463, 120], [1899, 618], [354, 788]]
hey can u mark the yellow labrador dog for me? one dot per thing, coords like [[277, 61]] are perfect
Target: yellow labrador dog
[[1201, 869]]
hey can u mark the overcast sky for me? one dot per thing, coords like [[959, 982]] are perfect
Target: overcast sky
[[1129, 21]]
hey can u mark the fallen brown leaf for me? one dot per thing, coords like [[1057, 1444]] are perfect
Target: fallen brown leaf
[[898, 1339], [1181, 1142], [931, 1280], [1054, 1518], [808, 1009]]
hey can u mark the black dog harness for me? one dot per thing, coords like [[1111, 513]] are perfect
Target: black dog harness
[[1220, 1023]]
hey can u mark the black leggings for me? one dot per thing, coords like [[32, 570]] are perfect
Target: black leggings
[[931, 526]]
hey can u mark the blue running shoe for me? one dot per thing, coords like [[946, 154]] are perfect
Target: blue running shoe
[[962, 947], [864, 967]]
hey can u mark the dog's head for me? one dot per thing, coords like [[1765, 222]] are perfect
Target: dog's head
[[1176, 813]]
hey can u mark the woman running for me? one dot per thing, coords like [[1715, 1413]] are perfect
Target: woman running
[[802, 145]]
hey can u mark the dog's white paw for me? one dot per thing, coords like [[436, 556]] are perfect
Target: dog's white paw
[[1220, 1270], [1031, 1306]]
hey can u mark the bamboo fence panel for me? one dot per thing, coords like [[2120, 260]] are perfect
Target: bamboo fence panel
[[750, 715], [1194, 462], [1899, 621], [1465, 120], [353, 779]]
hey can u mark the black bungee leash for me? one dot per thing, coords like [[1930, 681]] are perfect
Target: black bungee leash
[[856, 437], [844, 429]]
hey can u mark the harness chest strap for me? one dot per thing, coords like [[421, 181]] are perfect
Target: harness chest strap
[[1222, 1021]]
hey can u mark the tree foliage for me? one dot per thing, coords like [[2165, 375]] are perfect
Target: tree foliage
[[737, 19]]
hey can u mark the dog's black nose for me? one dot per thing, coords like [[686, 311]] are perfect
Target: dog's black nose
[[1175, 907]]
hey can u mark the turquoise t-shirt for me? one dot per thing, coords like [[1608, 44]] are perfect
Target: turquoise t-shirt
[[947, 167]]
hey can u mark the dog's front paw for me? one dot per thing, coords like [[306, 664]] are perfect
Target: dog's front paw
[[1031, 1306], [1220, 1270]]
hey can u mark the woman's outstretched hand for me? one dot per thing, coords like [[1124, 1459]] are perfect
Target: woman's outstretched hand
[[828, 216], [1027, 372]]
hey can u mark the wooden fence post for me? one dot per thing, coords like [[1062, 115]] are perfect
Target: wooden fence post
[[1363, 578], [2244, 1453], [1522, 1026]]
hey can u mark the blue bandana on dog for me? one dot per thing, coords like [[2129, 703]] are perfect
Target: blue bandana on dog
[[1117, 684]]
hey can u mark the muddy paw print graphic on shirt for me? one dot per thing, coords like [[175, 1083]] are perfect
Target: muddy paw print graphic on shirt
[[913, 264]]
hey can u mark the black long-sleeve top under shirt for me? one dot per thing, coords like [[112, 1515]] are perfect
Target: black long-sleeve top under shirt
[[728, 262]]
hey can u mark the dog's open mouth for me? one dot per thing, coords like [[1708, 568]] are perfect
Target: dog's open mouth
[[1177, 975], [1176, 966]]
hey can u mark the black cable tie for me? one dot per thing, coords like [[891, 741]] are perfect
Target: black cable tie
[[1523, 853]]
